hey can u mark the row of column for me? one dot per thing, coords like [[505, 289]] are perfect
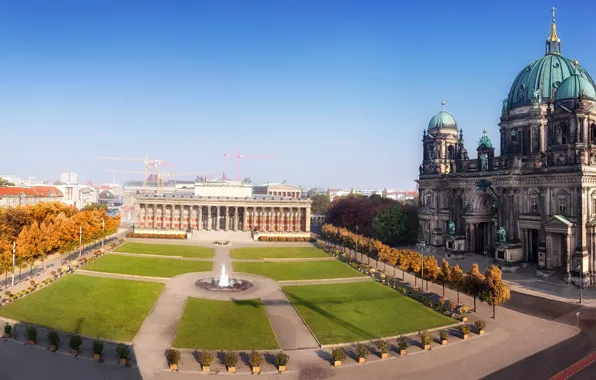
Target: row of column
[[227, 218]]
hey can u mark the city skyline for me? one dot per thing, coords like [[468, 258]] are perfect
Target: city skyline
[[329, 90]]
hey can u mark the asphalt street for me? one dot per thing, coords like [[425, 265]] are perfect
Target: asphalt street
[[549, 362]]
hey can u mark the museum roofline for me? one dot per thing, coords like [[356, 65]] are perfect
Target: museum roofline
[[254, 198]]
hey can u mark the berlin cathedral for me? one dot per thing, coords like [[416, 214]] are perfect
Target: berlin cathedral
[[535, 204]]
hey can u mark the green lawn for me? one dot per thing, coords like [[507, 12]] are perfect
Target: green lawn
[[305, 270], [147, 266], [93, 306], [225, 325], [167, 250], [277, 253], [349, 312]]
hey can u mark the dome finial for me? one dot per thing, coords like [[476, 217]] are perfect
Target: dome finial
[[443, 105], [553, 42]]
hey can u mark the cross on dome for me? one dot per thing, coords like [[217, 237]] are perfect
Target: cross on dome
[[443, 105]]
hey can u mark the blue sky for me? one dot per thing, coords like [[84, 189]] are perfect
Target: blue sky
[[334, 93]]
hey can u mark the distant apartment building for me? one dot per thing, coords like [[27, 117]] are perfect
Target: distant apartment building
[[334, 193], [71, 178], [18, 196], [402, 195], [78, 196]]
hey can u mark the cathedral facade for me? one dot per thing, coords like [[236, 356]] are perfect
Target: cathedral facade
[[535, 203]]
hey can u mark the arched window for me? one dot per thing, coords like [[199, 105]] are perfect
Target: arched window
[[593, 132], [451, 152]]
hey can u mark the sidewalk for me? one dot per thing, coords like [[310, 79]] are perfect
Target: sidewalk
[[41, 271]]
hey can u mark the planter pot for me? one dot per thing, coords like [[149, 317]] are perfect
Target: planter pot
[[206, 368], [31, 342], [337, 363], [5, 336], [53, 348], [256, 369], [75, 352], [232, 369], [481, 332], [465, 336], [384, 356], [403, 352], [444, 342], [282, 368], [174, 367], [361, 360], [427, 346], [123, 361], [96, 356], [464, 319]]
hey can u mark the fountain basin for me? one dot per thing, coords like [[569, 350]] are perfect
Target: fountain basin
[[212, 284]]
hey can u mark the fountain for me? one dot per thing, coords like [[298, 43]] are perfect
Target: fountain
[[223, 283], [223, 279]]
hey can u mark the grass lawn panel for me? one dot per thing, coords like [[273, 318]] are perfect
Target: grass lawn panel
[[305, 270], [349, 312], [277, 253], [167, 250], [147, 266], [225, 325], [94, 306]]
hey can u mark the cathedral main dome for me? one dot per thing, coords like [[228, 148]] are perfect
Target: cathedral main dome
[[539, 81]]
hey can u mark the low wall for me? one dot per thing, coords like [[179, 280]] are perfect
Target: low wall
[[151, 231], [256, 235]]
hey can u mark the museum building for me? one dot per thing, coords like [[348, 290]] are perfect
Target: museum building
[[535, 204], [223, 205]]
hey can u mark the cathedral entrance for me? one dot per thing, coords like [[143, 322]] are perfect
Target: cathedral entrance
[[530, 245], [483, 237]]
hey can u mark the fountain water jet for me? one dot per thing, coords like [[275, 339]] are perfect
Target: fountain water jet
[[224, 280]]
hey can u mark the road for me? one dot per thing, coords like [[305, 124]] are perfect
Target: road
[[547, 363]]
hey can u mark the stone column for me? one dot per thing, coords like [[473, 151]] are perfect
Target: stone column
[[227, 225], [200, 218], [292, 220], [209, 226], [269, 219], [236, 218], [307, 220], [217, 215]]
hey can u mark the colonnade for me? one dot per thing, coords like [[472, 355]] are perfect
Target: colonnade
[[224, 217]]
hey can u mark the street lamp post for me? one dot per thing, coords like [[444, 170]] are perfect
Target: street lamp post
[[80, 241], [103, 224], [14, 250], [422, 246], [357, 229], [581, 279], [485, 258]]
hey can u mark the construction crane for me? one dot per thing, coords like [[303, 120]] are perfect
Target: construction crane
[[240, 156], [159, 177], [149, 163]]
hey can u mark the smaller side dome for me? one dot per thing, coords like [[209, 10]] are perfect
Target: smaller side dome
[[575, 87], [442, 120]]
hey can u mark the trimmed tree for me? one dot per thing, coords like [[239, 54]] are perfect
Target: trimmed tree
[[431, 269], [457, 280], [497, 292], [475, 283], [445, 275]]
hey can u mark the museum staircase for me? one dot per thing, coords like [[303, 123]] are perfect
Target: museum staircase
[[221, 236]]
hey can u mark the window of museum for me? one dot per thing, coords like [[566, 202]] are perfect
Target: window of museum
[[562, 208], [593, 205]]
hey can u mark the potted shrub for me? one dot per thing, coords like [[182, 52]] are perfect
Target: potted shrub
[[31, 335], [444, 336], [205, 359], [255, 359], [54, 339], [362, 352], [32, 282], [480, 326], [339, 356], [75, 344], [97, 349], [123, 353], [383, 348], [463, 310], [281, 361], [230, 360], [173, 357], [465, 331], [402, 345], [425, 339], [7, 331]]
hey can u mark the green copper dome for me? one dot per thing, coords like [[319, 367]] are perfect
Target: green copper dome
[[442, 120], [538, 82], [574, 87]]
